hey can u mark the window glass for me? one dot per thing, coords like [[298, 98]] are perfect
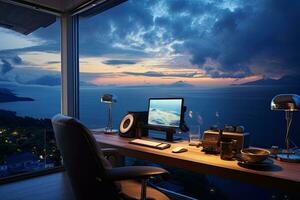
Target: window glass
[[227, 59], [29, 97]]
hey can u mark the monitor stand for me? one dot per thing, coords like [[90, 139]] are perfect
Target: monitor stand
[[169, 134], [175, 138]]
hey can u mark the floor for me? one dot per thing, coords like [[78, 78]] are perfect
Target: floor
[[54, 186]]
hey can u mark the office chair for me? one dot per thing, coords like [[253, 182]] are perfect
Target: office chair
[[91, 175]]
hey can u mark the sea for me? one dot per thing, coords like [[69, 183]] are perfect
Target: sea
[[237, 105], [247, 106]]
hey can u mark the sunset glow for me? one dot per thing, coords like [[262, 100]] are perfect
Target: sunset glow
[[168, 43]]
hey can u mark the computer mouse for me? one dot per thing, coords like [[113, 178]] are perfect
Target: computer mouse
[[179, 150]]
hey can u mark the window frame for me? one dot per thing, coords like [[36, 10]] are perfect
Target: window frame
[[69, 23]]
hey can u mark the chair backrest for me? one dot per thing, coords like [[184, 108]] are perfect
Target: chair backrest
[[83, 160]]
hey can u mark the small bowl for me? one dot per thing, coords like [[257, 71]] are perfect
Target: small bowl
[[254, 155]]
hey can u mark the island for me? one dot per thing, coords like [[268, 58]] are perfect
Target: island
[[7, 95]]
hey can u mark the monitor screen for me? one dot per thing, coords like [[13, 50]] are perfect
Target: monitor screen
[[166, 112]]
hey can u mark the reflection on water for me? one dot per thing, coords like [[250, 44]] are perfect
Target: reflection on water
[[239, 105], [247, 106]]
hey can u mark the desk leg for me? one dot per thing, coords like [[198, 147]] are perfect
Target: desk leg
[[144, 189]]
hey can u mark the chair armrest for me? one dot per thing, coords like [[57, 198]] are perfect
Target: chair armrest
[[135, 172], [110, 151]]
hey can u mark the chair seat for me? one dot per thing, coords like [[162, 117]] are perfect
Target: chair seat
[[131, 190]]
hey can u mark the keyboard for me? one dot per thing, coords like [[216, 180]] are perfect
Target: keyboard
[[152, 144]]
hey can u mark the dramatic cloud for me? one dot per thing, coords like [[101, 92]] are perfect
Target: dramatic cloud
[[17, 60], [120, 62], [46, 80], [49, 47], [10, 58], [54, 62], [5, 66], [51, 34], [160, 74], [225, 39], [263, 35], [149, 73]]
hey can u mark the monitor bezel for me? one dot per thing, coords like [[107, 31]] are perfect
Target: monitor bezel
[[167, 98]]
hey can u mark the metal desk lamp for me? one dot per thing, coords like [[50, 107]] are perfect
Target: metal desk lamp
[[109, 99], [288, 103]]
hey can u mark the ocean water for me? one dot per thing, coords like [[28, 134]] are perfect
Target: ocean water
[[247, 106], [46, 100], [236, 105]]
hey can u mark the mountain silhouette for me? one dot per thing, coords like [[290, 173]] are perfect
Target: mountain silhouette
[[180, 84], [7, 95], [285, 80]]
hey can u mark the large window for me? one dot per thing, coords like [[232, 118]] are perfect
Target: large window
[[228, 59], [29, 97]]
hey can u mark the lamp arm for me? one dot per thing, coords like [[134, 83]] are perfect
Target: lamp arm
[[289, 118], [109, 123], [294, 144]]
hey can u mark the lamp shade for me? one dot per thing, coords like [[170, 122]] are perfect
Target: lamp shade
[[109, 98], [286, 102]]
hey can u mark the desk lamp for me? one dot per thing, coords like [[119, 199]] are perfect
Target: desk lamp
[[109, 99], [288, 103]]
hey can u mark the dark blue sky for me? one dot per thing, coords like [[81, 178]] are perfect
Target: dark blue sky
[[219, 39]]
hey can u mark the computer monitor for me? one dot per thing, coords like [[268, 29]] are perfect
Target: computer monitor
[[165, 112]]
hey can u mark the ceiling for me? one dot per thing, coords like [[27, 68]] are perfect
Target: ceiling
[[23, 20], [58, 5], [26, 16]]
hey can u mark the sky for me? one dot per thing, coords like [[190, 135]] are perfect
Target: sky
[[199, 42]]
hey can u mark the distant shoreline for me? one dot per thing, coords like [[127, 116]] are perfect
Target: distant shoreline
[[7, 95]]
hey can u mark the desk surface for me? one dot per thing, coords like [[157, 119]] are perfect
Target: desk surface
[[282, 175]]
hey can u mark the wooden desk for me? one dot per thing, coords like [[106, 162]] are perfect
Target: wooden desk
[[284, 176]]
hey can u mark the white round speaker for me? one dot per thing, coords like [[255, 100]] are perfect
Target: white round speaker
[[126, 123]]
